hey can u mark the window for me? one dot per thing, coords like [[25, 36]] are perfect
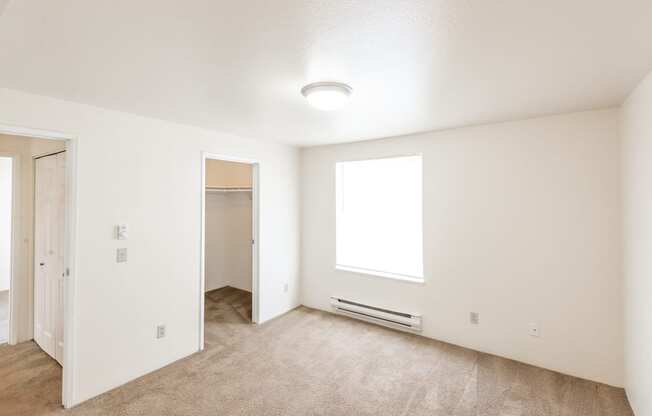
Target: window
[[379, 217]]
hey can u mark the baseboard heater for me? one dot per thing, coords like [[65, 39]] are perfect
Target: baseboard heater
[[374, 314]]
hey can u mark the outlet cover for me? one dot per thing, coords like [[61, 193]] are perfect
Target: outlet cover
[[160, 331], [474, 318], [533, 329], [121, 255]]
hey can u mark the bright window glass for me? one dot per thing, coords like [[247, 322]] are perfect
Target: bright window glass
[[379, 217]]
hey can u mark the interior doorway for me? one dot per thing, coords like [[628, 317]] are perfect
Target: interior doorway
[[229, 264], [40, 251]]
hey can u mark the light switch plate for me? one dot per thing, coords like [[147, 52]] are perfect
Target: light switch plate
[[121, 232], [160, 331], [121, 255]]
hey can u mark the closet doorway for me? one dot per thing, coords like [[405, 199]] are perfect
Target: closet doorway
[[229, 284]]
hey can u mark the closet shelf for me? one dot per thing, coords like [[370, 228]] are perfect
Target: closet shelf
[[227, 189]]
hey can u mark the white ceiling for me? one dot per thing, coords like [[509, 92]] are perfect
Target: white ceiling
[[238, 66]]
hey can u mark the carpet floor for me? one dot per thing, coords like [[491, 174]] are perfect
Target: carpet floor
[[309, 362]]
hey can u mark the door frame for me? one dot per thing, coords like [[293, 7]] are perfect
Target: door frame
[[14, 239], [255, 227], [70, 245]]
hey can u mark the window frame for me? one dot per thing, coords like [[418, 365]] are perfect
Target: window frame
[[371, 272]]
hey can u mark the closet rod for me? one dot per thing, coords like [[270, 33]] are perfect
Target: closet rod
[[226, 189]]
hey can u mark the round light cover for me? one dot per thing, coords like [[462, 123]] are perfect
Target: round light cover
[[327, 96]]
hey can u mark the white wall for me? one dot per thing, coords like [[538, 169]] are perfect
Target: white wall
[[22, 150], [522, 223], [5, 221], [637, 192], [228, 240], [147, 173]]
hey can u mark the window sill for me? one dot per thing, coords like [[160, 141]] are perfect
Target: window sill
[[392, 276]]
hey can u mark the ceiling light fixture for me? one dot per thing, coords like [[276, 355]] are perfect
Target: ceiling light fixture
[[327, 96]]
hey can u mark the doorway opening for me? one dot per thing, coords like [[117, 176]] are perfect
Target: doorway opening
[[229, 264], [35, 253]]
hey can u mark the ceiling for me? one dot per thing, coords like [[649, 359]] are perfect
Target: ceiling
[[416, 65]]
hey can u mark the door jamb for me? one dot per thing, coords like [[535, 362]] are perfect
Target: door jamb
[[14, 239], [255, 227], [70, 245]]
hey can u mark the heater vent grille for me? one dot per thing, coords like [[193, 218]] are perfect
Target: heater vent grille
[[376, 314]]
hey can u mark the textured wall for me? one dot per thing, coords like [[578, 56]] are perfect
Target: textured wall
[[637, 181], [522, 223]]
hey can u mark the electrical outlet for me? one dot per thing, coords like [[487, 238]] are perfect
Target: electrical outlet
[[474, 318], [286, 287], [533, 329], [121, 255], [160, 331]]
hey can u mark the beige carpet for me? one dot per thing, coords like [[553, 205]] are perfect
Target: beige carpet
[[309, 362]]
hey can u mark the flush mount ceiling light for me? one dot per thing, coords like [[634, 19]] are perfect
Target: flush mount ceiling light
[[327, 96]]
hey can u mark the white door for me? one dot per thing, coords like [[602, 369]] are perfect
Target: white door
[[49, 222]]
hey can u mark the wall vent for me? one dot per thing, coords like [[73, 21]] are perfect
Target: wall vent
[[381, 316]]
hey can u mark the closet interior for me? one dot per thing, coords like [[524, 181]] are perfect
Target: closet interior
[[228, 237]]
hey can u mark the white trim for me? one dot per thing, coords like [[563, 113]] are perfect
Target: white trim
[[33, 133], [392, 156], [15, 241], [255, 227], [202, 253], [387, 275], [70, 264], [255, 218], [70, 269]]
